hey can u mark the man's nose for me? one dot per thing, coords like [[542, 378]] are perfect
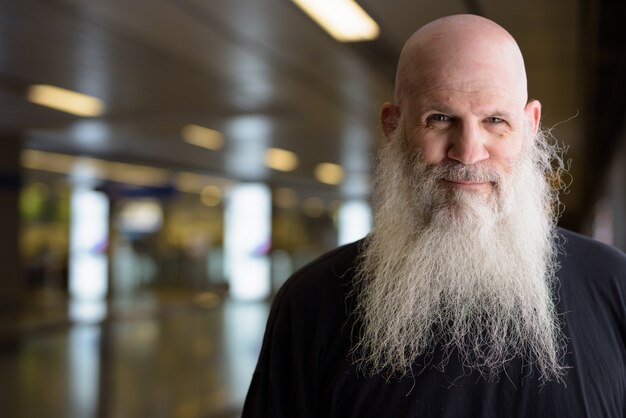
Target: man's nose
[[468, 145]]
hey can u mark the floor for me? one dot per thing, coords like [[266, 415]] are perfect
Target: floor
[[169, 355]]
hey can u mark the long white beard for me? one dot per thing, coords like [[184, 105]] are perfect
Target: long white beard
[[458, 270]]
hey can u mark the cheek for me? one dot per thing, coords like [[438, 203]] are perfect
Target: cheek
[[505, 155], [433, 154], [433, 150]]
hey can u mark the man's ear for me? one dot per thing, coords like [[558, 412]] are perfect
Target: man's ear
[[533, 115], [389, 118]]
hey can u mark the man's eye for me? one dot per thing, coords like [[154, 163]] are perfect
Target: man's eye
[[494, 119], [439, 118]]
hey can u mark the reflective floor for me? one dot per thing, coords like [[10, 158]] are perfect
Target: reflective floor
[[168, 356]]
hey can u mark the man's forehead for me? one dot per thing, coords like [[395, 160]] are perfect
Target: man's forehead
[[480, 99], [451, 100], [443, 55]]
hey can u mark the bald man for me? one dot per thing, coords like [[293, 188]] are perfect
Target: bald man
[[465, 300]]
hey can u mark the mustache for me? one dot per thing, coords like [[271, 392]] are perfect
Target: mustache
[[459, 172]]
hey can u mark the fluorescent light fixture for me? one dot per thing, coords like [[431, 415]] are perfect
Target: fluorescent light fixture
[[203, 137], [280, 159], [329, 173], [138, 175], [211, 195], [47, 161], [344, 20], [65, 100]]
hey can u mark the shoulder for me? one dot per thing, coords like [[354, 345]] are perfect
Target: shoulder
[[320, 287], [309, 311], [303, 332], [329, 273], [585, 253], [592, 271]]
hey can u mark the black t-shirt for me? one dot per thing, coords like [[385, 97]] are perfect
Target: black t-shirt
[[304, 368]]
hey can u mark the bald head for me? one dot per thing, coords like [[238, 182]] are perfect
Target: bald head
[[463, 52]]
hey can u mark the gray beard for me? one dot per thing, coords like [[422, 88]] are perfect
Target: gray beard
[[455, 269]]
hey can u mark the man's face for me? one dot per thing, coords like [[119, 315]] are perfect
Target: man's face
[[465, 126], [463, 103]]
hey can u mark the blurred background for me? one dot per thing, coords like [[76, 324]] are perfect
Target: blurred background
[[166, 164]]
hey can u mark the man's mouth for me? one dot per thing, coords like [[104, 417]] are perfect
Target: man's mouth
[[468, 183]]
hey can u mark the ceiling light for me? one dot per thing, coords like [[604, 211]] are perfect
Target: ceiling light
[[329, 173], [344, 20], [280, 159], [95, 168], [139, 175], [203, 137], [211, 195], [65, 100], [47, 161]]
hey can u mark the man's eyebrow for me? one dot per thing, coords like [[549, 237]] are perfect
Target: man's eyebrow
[[499, 113], [443, 108]]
